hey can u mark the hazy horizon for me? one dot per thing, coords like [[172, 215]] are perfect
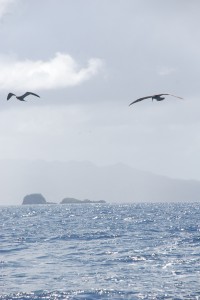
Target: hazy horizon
[[115, 183], [97, 164]]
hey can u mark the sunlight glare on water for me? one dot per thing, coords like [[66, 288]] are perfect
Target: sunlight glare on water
[[86, 251]]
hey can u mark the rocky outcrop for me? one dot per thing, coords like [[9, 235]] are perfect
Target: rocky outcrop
[[39, 199], [34, 199], [76, 201]]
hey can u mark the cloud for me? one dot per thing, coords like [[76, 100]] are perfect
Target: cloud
[[165, 71], [59, 72], [4, 6]]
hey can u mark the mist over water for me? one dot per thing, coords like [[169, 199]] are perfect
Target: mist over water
[[117, 183], [139, 251]]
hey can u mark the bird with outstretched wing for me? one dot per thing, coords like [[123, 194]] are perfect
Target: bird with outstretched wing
[[21, 98], [157, 97]]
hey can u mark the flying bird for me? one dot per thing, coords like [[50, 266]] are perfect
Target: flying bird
[[157, 97], [21, 98]]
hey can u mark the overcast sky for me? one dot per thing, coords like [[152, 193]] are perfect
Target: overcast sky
[[88, 60]]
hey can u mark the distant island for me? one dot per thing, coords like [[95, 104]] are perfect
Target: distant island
[[73, 200], [35, 199], [39, 199]]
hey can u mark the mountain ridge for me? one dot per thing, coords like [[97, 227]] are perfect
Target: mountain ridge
[[117, 183]]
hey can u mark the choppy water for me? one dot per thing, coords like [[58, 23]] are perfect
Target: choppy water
[[141, 251]]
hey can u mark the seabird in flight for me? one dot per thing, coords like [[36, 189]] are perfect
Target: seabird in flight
[[21, 98], [156, 97]]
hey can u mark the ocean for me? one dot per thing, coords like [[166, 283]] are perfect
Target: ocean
[[93, 251]]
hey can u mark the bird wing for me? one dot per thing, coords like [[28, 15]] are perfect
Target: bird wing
[[29, 93], [10, 95], [168, 95], [140, 99]]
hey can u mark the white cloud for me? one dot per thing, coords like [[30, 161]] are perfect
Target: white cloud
[[4, 6], [60, 71]]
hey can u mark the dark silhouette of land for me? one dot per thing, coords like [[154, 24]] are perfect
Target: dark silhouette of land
[[37, 198], [76, 201], [34, 199]]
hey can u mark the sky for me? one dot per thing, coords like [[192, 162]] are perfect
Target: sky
[[88, 60]]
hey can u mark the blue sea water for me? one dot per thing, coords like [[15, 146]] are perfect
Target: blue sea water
[[90, 251]]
